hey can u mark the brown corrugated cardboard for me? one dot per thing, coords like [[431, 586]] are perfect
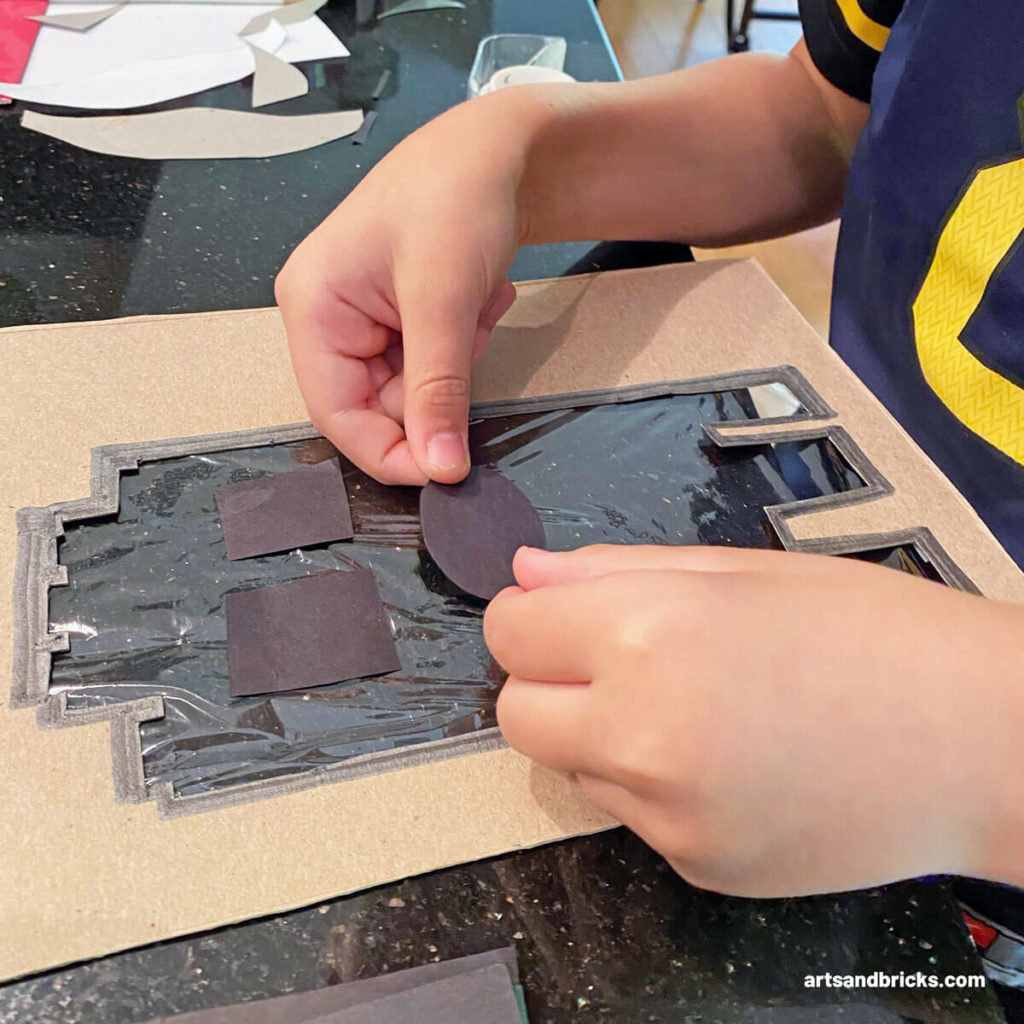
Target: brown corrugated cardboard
[[82, 874]]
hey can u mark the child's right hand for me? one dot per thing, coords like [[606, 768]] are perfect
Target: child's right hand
[[392, 299]]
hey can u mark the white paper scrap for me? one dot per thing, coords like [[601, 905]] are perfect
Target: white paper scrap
[[287, 15], [143, 81]]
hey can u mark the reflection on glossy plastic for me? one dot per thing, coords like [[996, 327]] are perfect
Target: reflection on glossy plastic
[[145, 602]]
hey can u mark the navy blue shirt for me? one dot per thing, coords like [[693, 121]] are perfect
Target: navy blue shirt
[[928, 296], [928, 300]]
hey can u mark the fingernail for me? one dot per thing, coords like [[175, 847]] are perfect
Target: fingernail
[[447, 451]]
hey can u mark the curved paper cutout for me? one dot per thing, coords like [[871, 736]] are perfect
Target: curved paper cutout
[[196, 133], [474, 528]]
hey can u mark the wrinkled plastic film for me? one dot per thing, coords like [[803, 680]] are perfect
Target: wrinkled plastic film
[[144, 608]]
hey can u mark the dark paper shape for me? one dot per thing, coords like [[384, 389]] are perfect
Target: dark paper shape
[[382, 82], [473, 529], [484, 996], [326, 628], [362, 133], [285, 511], [306, 1007]]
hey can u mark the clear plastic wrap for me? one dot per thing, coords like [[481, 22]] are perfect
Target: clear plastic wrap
[[144, 607]]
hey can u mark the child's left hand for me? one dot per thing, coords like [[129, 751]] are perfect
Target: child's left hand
[[772, 723]]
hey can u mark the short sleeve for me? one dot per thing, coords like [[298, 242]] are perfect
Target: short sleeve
[[846, 37]]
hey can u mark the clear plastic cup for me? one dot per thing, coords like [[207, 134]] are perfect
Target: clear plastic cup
[[498, 53]]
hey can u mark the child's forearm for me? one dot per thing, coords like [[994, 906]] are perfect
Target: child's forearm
[[745, 147], [737, 149]]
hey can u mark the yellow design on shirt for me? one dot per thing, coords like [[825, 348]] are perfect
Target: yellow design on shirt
[[866, 29], [978, 235]]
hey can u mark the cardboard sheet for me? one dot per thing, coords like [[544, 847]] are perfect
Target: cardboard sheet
[[78, 21], [326, 628], [305, 1007], [68, 389], [284, 511], [196, 133], [474, 528]]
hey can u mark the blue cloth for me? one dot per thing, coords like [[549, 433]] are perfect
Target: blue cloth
[[945, 101]]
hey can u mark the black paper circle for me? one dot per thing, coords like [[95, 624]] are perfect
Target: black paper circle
[[473, 529]]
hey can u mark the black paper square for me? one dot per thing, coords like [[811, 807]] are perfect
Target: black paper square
[[285, 511], [322, 629]]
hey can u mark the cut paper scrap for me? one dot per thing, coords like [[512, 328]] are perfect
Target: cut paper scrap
[[18, 33], [408, 6], [473, 529], [363, 134], [196, 133], [326, 628], [79, 21], [290, 14], [103, 69], [382, 84], [275, 80], [283, 511], [141, 31]]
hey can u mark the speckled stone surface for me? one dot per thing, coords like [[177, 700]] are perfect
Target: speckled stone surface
[[605, 931], [85, 236]]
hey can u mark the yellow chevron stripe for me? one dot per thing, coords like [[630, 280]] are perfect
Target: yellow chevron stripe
[[866, 29], [976, 238]]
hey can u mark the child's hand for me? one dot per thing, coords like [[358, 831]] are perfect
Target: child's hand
[[774, 724], [390, 301]]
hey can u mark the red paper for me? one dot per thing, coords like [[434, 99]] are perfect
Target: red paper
[[18, 35]]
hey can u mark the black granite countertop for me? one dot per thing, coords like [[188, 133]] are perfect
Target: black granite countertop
[[604, 930], [85, 236]]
